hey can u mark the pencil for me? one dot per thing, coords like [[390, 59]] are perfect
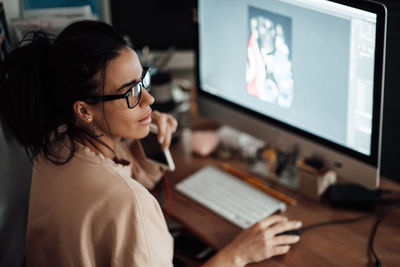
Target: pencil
[[258, 184]]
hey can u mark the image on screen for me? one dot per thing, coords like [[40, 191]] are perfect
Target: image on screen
[[269, 66]]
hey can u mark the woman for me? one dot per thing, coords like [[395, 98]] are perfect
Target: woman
[[73, 102]]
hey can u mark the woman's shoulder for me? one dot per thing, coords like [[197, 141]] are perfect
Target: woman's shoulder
[[82, 189], [86, 169], [89, 176]]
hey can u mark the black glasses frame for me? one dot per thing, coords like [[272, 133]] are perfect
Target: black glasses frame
[[104, 98]]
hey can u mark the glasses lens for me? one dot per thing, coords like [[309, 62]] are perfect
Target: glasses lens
[[146, 80], [134, 95]]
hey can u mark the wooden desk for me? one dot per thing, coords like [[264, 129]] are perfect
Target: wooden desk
[[334, 245]]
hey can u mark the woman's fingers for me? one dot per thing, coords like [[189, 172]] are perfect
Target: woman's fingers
[[259, 242], [284, 240], [171, 126], [267, 222], [162, 129], [167, 125], [282, 227], [173, 123], [167, 138]]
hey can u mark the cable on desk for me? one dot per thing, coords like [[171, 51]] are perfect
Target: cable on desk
[[389, 203], [379, 219], [169, 197], [380, 216], [390, 192], [156, 192], [159, 194], [341, 221]]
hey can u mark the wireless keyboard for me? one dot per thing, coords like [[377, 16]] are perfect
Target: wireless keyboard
[[229, 197]]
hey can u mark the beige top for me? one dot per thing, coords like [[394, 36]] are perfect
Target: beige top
[[90, 212]]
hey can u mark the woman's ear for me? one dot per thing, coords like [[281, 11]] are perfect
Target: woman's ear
[[83, 111]]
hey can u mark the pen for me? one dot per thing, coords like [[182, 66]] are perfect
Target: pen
[[258, 184]]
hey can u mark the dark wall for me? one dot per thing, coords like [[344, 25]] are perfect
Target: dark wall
[[391, 109], [15, 176], [156, 23]]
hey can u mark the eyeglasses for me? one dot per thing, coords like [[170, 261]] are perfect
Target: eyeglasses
[[132, 96]]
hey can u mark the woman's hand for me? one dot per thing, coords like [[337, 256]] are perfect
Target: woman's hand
[[167, 125], [258, 242]]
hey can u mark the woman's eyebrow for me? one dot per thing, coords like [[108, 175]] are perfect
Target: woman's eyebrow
[[126, 85], [129, 83]]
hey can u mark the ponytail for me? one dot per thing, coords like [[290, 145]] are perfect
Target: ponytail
[[41, 80], [23, 76]]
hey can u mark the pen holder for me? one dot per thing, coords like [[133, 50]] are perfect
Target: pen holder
[[313, 182]]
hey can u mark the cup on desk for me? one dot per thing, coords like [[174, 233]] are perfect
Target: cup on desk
[[314, 182]]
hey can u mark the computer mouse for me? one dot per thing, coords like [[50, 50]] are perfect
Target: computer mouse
[[291, 232]]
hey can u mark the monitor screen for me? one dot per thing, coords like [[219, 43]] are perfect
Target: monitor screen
[[312, 67]]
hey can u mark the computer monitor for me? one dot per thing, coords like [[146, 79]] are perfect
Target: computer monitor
[[298, 72]]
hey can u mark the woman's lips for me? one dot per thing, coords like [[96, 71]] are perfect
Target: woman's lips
[[145, 121]]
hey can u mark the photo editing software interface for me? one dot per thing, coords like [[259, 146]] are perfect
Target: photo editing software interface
[[306, 63]]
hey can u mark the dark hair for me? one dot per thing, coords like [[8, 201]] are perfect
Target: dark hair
[[41, 79]]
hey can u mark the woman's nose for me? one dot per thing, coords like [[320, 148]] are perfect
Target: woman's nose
[[147, 98]]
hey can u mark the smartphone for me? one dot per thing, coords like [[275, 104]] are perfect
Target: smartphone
[[152, 149]]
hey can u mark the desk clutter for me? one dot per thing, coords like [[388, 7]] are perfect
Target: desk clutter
[[308, 175]]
